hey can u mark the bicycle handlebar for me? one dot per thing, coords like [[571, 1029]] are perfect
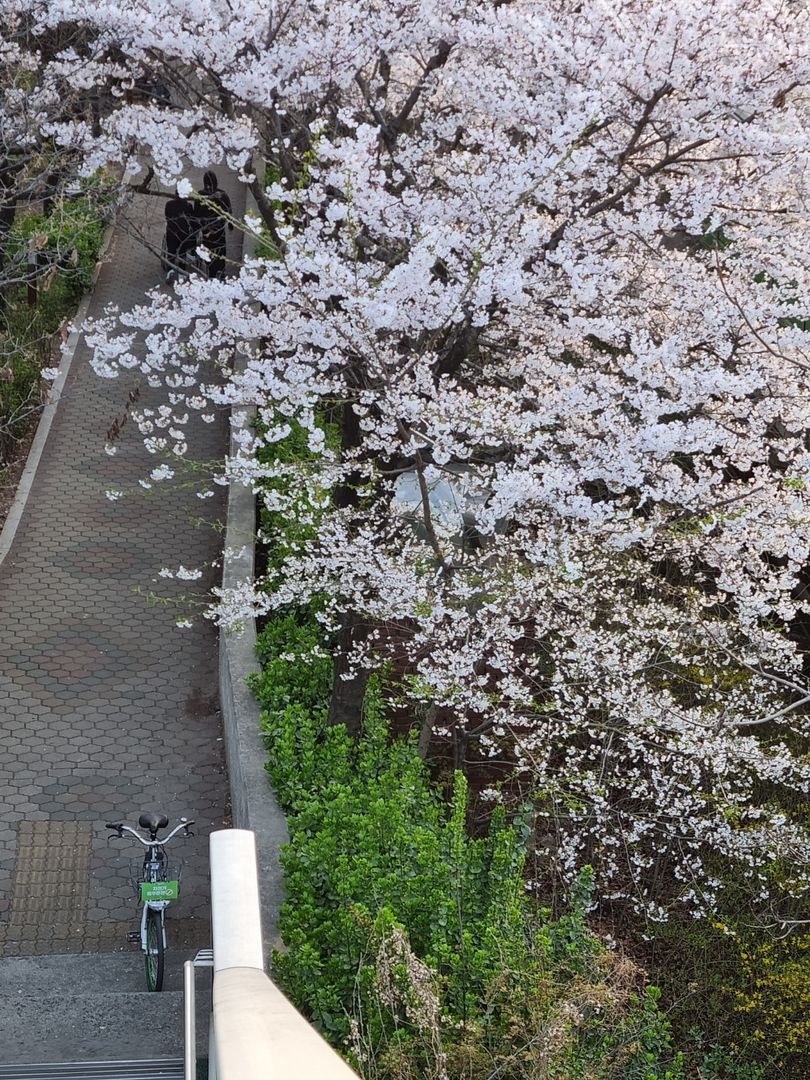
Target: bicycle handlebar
[[120, 828]]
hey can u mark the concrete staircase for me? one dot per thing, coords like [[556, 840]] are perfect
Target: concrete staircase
[[89, 1017]]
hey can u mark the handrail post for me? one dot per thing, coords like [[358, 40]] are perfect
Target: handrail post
[[189, 1022], [236, 922], [212, 1047]]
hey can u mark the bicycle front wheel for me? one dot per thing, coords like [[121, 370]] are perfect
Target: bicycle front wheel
[[154, 950]]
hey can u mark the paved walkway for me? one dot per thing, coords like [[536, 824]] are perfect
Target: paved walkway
[[106, 708]]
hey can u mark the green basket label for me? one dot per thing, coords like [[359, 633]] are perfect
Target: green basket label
[[160, 890]]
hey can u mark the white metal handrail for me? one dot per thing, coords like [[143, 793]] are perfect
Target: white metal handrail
[[189, 1022], [257, 1033], [205, 959]]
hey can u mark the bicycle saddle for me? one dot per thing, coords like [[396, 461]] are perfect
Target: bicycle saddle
[[153, 821]]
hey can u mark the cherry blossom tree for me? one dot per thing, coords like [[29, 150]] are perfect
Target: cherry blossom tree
[[544, 267]]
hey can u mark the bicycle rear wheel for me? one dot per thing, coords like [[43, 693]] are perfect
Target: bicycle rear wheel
[[154, 950]]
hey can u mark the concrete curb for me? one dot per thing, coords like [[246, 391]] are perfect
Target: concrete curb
[[253, 800], [17, 507]]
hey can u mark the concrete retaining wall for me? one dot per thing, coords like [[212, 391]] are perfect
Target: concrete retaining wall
[[253, 800]]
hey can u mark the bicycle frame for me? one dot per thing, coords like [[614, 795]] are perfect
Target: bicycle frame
[[154, 861]]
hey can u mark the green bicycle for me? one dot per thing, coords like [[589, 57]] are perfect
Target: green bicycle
[[155, 890]]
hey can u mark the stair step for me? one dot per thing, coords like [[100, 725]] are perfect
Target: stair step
[[87, 973], [91, 1027], [160, 1069]]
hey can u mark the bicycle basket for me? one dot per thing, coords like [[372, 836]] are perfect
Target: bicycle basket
[[147, 890]]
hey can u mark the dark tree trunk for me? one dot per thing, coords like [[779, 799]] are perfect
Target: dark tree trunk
[[426, 731], [346, 702], [461, 741], [346, 494]]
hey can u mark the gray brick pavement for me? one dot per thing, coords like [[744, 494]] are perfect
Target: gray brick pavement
[[106, 708]]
